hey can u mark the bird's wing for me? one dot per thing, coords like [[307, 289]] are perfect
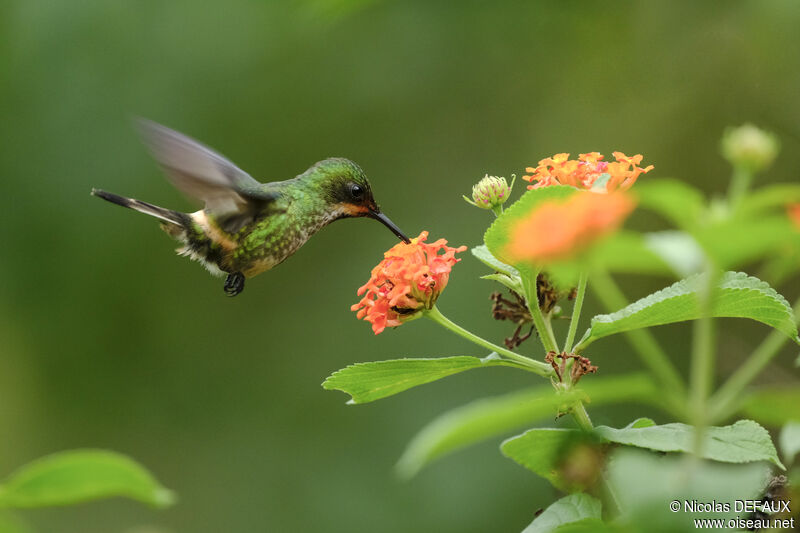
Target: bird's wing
[[229, 192]]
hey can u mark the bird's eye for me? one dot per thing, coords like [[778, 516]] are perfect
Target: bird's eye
[[357, 192]]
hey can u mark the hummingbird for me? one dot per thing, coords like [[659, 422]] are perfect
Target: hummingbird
[[248, 227]]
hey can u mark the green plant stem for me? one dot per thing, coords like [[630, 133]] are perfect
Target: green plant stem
[[536, 367], [581, 416], [725, 401], [543, 328], [740, 183], [643, 342], [497, 210], [702, 362], [576, 313]]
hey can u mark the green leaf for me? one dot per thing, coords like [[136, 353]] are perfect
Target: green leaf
[[737, 295], [78, 476], [568, 509], [743, 442], [736, 241], [627, 252], [675, 200], [367, 382], [10, 523], [789, 441], [493, 417], [773, 406], [506, 281], [480, 420], [543, 451], [498, 235], [483, 254], [771, 198], [678, 249], [647, 484], [589, 525]]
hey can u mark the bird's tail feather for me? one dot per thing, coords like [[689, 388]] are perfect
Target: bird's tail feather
[[167, 215]]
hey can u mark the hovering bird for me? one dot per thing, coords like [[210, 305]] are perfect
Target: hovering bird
[[248, 227]]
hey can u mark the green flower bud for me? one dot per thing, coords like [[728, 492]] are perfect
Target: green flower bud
[[491, 192], [750, 148]]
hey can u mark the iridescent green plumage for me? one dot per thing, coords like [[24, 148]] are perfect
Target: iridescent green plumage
[[248, 227]]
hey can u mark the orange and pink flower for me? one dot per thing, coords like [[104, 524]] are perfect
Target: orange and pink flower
[[794, 214], [556, 230], [586, 170], [409, 279]]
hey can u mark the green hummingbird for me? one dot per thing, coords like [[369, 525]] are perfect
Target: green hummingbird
[[248, 227]]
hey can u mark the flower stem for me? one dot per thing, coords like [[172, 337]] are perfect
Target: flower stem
[[740, 182], [643, 342], [576, 313], [543, 328], [702, 362], [497, 209], [536, 367], [581, 416], [725, 401]]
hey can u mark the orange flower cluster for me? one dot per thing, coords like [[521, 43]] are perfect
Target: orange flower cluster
[[582, 174], [794, 214], [409, 279], [556, 230]]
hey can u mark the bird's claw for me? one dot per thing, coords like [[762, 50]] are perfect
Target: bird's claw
[[234, 283]]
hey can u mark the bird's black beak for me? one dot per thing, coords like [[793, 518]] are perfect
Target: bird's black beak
[[377, 215]]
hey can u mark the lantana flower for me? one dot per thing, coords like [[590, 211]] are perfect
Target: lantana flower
[[491, 192], [584, 172], [556, 230], [794, 214], [408, 280]]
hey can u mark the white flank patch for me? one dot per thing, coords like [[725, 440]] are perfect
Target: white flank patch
[[191, 254]]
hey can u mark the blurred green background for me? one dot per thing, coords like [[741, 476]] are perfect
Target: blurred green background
[[111, 341]]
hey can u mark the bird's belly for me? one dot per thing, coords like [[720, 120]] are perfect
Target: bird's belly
[[260, 265]]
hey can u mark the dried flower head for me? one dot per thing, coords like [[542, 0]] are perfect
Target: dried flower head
[[556, 230], [408, 280], [588, 172]]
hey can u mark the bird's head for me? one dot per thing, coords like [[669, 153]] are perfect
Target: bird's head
[[348, 192]]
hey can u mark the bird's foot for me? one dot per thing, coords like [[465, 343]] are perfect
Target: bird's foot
[[234, 284]]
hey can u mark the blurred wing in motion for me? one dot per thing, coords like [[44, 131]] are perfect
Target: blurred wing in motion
[[229, 193]]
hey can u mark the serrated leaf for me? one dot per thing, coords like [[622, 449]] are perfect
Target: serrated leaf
[[789, 441], [483, 254], [737, 295], [743, 442], [493, 417], [568, 509], [647, 483], [367, 382], [544, 450], [773, 406], [675, 200], [78, 476]]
